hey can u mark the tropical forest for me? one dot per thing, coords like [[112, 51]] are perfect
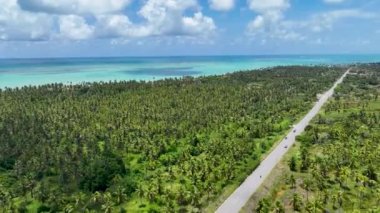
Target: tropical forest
[[177, 145], [334, 166]]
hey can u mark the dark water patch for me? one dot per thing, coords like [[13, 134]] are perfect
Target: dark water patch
[[166, 71], [45, 71]]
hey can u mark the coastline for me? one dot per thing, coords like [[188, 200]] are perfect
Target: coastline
[[34, 72]]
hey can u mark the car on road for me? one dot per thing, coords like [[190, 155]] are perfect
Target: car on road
[[286, 146], [294, 131]]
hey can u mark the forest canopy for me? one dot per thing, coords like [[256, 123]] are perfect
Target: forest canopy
[[335, 165], [169, 145]]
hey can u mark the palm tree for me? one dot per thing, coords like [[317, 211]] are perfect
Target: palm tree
[[68, 208], [210, 190], [107, 204], [293, 162], [292, 181], [344, 174], [340, 198], [316, 205], [196, 197], [334, 199], [170, 207], [42, 192], [279, 207], [307, 185], [297, 202], [107, 207], [151, 194], [4, 196], [263, 206], [377, 195], [11, 207], [361, 192], [140, 191], [96, 198], [120, 195], [79, 199]]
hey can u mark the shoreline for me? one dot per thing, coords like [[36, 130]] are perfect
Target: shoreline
[[126, 79]]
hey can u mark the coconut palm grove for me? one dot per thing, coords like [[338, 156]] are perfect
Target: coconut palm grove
[[189, 106], [177, 145]]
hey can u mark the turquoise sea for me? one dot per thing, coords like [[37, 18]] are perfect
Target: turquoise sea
[[22, 72]]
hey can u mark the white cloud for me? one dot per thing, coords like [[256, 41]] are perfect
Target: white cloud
[[269, 23], [90, 19], [280, 31], [222, 5], [161, 18], [159, 10], [256, 24], [271, 11], [16, 24], [326, 20], [73, 6], [165, 16], [113, 26], [75, 27], [198, 24]]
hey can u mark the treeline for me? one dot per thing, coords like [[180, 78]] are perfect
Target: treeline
[[168, 145], [337, 167]]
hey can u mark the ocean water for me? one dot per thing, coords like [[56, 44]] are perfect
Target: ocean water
[[23, 72]]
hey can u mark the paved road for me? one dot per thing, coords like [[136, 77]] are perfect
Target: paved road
[[242, 194]]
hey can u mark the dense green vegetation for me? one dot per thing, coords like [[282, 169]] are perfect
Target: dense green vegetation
[[336, 166], [169, 145]]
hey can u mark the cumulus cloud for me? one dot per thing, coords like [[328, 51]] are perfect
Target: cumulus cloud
[[269, 23], [113, 26], [166, 17], [75, 27], [120, 26], [91, 19], [198, 24], [73, 6], [222, 5], [162, 18], [16, 24]]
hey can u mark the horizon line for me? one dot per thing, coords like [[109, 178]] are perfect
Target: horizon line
[[192, 56]]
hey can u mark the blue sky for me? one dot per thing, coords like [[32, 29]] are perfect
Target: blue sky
[[75, 28]]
